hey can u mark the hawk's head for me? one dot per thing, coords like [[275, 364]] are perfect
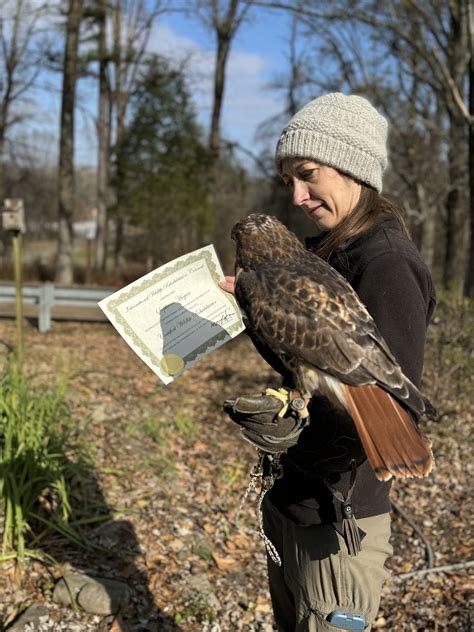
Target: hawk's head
[[261, 238]]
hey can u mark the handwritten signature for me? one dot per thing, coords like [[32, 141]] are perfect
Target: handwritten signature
[[222, 319]]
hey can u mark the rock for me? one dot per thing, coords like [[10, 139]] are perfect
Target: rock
[[199, 589], [19, 596], [113, 533], [32, 615], [100, 413], [96, 595], [103, 596], [199, 582], [68, 587]]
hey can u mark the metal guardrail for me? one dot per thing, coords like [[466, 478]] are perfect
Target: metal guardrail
[[49, 302]]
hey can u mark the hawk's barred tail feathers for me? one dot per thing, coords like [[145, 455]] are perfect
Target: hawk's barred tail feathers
[[391, 440]]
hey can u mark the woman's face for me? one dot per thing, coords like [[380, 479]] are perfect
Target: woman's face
[[322, 192]]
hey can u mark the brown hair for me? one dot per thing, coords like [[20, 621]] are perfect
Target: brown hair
[[361, 219]]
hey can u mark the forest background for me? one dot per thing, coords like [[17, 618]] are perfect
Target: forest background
[[158, 180]]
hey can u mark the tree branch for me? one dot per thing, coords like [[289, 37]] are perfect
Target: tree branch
[[430, 54], [436, 569], [418, 531]]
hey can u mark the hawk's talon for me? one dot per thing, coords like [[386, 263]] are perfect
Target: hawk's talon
[[298, 403], [283, 395]]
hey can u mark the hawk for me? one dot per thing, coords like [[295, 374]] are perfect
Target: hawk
[[297, 305]]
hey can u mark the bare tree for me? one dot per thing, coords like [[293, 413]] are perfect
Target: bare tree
[[119, 31], [295, 84], [454, 73], [103, 135], [18, 65], [435, 34], [291, 83], [132, 25], [224, 18], [469, 286], [64, 266]]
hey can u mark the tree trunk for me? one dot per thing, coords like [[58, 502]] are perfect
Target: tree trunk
[[120, 176], [456, 224], [456, 203], [64, 267], [103, 141], [469, 285], [428, 226], [3, 124], [12, 58], [120, 102], [2, 158], [3, 236], [223, 46], [225, 29]]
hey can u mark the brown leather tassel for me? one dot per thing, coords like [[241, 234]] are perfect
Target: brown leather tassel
[[350, 528]]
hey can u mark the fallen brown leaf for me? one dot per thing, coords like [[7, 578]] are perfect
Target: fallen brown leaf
[[226, 564]]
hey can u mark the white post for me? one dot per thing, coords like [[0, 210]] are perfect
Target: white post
[[45, 304]]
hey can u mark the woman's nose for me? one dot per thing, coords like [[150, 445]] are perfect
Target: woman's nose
[[300, 192]]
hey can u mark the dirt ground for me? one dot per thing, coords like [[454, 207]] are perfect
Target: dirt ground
[[169, 472]]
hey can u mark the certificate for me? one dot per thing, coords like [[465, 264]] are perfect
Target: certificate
[[177, 314]]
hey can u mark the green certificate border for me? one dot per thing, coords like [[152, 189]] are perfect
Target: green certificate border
[[204, 254]]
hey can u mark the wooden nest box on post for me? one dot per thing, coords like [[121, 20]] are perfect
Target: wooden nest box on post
[[13, 216], [13, 221]]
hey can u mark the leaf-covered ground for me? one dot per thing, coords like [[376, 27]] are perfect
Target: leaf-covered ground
[[170, 470]]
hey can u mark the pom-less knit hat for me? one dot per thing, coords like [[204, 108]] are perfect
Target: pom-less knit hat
[[344, 132]]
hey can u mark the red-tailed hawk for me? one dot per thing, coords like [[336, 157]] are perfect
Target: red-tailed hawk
[[310, 317]]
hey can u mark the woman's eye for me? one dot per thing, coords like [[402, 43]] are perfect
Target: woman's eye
[[307, 174], [288, 183]]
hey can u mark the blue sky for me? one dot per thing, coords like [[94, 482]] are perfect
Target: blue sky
[[258, 55], [256, 58]]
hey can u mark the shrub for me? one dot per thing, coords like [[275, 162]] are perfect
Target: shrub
[[38, 462]]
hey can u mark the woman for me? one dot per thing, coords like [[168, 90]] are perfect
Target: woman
[[332, 155]]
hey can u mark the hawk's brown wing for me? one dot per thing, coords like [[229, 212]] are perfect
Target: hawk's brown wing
[[311, 318], [307, 311], [309, 315]]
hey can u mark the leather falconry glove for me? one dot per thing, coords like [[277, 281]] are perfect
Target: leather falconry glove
[[272, 421]]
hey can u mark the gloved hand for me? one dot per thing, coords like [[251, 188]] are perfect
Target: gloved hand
[[272, 421]]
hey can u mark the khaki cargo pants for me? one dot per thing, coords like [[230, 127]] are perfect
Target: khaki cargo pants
[[318, 575]]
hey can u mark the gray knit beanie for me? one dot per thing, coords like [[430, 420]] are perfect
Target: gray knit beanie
[[344, 132]]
